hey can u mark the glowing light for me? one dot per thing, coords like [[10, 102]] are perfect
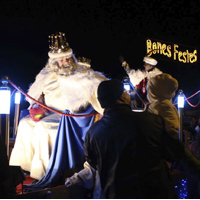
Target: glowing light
[[138, 110], [127, 87], [17, 97], [172, 51], [180, 101], [4, 100], [181, 189]]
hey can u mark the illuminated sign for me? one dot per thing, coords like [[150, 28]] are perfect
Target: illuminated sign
[[174, 52]]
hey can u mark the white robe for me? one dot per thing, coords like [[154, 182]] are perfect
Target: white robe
[[35, 140], [136, 76]]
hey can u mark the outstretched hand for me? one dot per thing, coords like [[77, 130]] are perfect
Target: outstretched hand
[[67, 182], [72, 181]]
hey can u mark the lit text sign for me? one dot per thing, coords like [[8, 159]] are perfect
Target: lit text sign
[[174, 52]]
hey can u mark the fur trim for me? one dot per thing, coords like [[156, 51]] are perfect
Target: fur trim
[[66, 54], [68, 91], [154, 73], [78, 89], [136, 76], [36, 89]]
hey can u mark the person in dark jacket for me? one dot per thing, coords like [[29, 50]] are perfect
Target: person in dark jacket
[[129, 149]]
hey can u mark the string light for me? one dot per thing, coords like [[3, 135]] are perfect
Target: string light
[[181, 189]]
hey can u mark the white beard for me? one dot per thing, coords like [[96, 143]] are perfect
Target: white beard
[[66, 69]]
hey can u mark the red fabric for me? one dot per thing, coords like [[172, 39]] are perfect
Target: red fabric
[[38, 113], [28, 181], [142, 86]]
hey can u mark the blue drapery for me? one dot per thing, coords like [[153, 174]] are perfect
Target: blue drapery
[[68, 151]]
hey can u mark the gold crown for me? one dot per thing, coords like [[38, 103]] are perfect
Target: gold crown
[[84, 61], [58, 43]]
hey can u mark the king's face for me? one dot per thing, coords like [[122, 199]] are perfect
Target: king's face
[[65, 62]]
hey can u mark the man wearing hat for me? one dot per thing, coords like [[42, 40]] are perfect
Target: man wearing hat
[[140, 78], [63, 84], [129, 149]]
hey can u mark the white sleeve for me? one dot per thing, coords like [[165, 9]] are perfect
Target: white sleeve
[[136, 76], [37, 87], [85, 177]]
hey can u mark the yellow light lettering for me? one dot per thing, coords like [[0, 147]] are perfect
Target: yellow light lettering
[[149, 46], [154, 46], [179, 56], [164, 46], [169, 54], [175, 51], [188, 56], [194, 56], [184, 56], [159, 47]]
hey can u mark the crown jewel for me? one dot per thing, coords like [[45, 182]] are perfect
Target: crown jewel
[[58, 43], [84, 61]]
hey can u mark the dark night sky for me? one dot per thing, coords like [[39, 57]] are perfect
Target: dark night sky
[[100, 30]]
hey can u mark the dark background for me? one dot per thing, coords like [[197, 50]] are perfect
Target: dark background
[[100, 30]]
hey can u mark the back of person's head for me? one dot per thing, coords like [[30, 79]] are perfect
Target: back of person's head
[[109, 92], [160, 87]]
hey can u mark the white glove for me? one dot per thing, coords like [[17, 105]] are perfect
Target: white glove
[[85, 177], [72, 181]]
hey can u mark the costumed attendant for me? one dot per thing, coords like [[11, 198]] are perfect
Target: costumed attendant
[[139, 78], [63, 84]]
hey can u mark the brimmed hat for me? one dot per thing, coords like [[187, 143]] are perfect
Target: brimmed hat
[[58, 46], [150, 60], [109, 91]]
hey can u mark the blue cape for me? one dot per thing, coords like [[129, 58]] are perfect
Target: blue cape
[[68, 150]]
